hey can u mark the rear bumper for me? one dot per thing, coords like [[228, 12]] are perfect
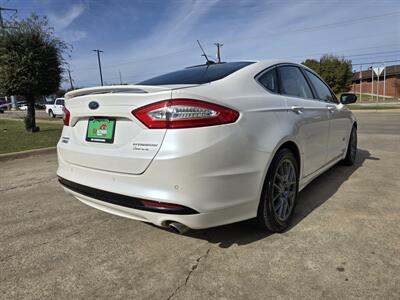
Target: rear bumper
[[193, 221], [121, 200]]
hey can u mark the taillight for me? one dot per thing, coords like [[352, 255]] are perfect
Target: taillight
[[67, 116], [184, 113]]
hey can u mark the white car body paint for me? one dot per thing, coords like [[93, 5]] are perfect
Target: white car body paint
[[217, 171]]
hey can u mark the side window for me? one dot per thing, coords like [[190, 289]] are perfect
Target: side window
[[269, 80], [293, 82], [60, 102], [323, 92]]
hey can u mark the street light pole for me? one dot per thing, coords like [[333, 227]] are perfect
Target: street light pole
[[98, 58]]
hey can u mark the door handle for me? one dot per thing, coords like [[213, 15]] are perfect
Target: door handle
[[331, 108], [297, 109]]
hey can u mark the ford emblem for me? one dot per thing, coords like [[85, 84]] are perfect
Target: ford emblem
[[93, 105]]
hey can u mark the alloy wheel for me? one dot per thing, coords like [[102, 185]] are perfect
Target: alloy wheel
[[284, 189]]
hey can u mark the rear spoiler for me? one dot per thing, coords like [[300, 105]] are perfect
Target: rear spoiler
[[139, 89]]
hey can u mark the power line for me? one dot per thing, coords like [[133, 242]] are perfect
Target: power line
[[304, 29], [347, 56], [171, 53], [98, 58], [318, 27], [376, 62]]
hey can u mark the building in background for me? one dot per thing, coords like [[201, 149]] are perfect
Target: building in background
[[367, 82]]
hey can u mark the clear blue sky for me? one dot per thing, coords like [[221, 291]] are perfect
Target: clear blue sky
[[143, 38]]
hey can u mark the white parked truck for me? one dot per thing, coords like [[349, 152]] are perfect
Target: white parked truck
[[55, 109]]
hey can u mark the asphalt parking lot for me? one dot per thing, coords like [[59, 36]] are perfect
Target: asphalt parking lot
[[345, 241]]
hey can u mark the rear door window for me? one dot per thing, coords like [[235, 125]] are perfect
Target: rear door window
[[293, 82], [269, 80]]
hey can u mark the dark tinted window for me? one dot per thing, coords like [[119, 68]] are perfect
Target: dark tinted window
[[269, 80], [320, 87], [293, 82], [198, 74], [60, 102]]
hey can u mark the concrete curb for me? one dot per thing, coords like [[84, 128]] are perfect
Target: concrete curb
[[27, 153], [376, 110]]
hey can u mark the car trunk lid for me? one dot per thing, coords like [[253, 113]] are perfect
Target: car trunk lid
[[133, 146]]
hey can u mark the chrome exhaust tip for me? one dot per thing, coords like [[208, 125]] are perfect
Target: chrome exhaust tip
[[178, 227]]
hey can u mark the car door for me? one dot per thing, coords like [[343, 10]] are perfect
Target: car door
[[309, 116], [340, 123]]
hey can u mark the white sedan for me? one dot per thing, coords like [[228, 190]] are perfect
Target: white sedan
[[205, 146]]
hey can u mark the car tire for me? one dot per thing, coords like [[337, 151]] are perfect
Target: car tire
[[351, 154], [279, 195], [51, 114]]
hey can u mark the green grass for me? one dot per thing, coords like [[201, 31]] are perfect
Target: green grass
[[372, 107], [14, 137], [365, 98]]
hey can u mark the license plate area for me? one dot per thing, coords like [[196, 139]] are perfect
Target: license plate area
[[101, 130]]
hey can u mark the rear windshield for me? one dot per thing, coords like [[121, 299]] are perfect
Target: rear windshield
[[198, 74]]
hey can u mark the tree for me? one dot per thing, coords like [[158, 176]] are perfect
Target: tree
[[335, 70], [31, 62]]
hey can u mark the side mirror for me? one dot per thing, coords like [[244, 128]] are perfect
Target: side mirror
[[348, 98]]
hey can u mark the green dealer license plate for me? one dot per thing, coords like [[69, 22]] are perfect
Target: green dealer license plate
[[101, 130]]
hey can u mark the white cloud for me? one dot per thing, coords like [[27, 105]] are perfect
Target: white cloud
[[61, 22], [73, 35]]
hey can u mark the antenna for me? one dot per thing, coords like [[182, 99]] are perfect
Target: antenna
[[209, 62]]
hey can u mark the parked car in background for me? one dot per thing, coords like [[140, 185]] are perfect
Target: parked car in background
[[207, 145], [55, 109], [22, 105], [40, 105], [4, 105]]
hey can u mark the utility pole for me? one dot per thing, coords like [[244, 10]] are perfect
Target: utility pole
[[98, 58], [372, 83], [219, 45], [70, 79], [384, 80], [120, 78], [1, 17], [377, 86], [360, 83]]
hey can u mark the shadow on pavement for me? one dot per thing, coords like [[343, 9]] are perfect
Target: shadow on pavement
[[314, 195]]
